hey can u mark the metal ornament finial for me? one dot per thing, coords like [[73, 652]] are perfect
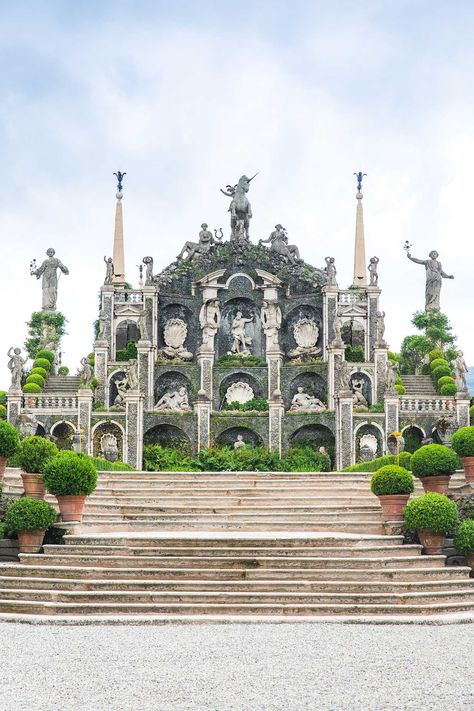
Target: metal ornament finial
[[360, 176], [119, 177]]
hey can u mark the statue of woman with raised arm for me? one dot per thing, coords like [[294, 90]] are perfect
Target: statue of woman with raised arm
[[434, 278]]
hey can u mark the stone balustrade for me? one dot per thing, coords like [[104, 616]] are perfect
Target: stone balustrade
[[132, 296], [352, 296], [408, 403], [50, 401]]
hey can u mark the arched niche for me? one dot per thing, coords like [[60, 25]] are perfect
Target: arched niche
[[167, 436], [63, 433], [287, 333], [312, 384], [369, 442], [183, 312], [171, 381], [366, 384], [113, 379], [353, 333], [126, 331], [413, 437], [253, 330], [236, 378], [105, 428], [228, 437], [315, 436]]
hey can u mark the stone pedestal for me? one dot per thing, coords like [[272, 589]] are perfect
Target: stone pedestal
[[344, 430], [202, 408], [335, 357], [392, 407], [133, 446], [205, 359], [274, 362], [14, 400], [145, 372], [84, 414], [330, 297], [101, 357], [462, 409], [373, 294], [380, 360], [275, 422]]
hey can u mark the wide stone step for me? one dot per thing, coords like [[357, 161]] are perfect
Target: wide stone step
[[366, 511], [237, 515], [151, 525]]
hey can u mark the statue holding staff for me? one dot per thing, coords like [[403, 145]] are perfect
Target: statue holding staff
[[49, 271], [434, 279]]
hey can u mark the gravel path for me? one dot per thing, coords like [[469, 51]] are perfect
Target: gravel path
[[236, 667]]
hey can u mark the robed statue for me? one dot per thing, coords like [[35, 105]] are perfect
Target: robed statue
[[434, 279], [49, 271]]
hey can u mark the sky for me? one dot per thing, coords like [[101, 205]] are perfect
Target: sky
[[188, 96]]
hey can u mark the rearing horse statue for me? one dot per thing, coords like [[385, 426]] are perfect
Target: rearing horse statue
[[240, 209]]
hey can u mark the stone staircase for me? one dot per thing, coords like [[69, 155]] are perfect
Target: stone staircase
[[419, 385], [220, 545], [62, 384]]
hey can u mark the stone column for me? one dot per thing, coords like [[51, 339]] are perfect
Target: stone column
[[84, 414], [335, 358], [205, 359], [274, 362], [145, 372], [344, 430], [101, 358], [108, 304], [392, 406], [462, 409], [275, 421], [330, 305], [202, 408], [133, 445], [373, 293], [14, 399], [150, 304], [380, 360]]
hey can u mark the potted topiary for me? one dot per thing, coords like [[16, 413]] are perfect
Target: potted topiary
[[9, 442], [463, 444], [70, 477], [433, 516], [434, 464], [393, 486], [464, 540], [33, 454], [30, 519]]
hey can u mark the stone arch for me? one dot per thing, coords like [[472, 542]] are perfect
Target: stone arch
[[173, 380], [367, 385], [303, 311], [41, 430], [118, 374], [229, 436], [241, 275], [183, 312], [369, 428], [253, 330], [312, 383], [236, 377], [63, 432], [167, 435], [413, 435], [107, 427], [126, 330], [315, 435]]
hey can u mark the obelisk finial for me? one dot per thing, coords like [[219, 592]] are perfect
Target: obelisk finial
[[119, 257], [360, 274], [360, 177], [120, 177]]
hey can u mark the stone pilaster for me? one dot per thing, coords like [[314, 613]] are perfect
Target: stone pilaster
[[335, 358], [330, 297], [392, 407], [274, 362], [462, 409], [133, 446], [14, 399], [373, 293], [84, 414], [205, 359], [344, 430], [145, 372], [101, 357], [275, 422], [380, 360], [202, 408], [108, 304], [150, 304]]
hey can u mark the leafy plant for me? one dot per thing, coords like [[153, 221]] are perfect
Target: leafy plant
[[250, 361], [375, 464], [440, 372], [435, 353], [63, 370], [3, 397], [377, 407], [31, 388], [256, 403], [70, 474], [3, 530], [160, 459], [464, 539], [127, 353], [3, 412], [437, 362], [431, 512], [39, 319], [471, 414], [34, 453], [354, 354], [463, 442], [391, 479], [433, 460], [9, 439], [98, 405], [446, 380], [305, 459], [400, 388], [27, 514]]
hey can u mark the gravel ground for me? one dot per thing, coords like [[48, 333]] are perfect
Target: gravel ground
[[236, 667]]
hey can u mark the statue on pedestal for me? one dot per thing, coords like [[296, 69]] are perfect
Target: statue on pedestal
[[357, 394], [240, 209], [109, 270], [209, 320], [337, 325], [380, 326], [331, 271], [373, 274], [271, 322], [86, 373], [122, 388], [460, 370], [102, 321], [49, 271], [148, 261], [391, 376], [434, 279], [132, 374], [142, 325], [15, 366], [240, 339]]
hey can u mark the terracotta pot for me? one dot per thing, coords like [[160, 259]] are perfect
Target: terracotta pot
[[433, 543], [33, 485], [3, 464], [468, 463], [71, 508], [439, 484], [393, 505], [30, 541]]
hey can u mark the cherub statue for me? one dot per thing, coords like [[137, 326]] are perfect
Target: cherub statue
[[15, 366], [86, 373], [460, 370], [331, 271]]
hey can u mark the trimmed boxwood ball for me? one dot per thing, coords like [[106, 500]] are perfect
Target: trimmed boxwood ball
[[34, 378], [39, 371], [464, 539], [27, 514], [445, 380], [9, 439], [34, 453], [431, 512], [3, 413], [70, 474], [42, 363], [433, 460], [463, 442], [448, 389], [435, 353], [31, 388], [441, 370], [49, 355], [391, 479], [63, 370], [438, 362]]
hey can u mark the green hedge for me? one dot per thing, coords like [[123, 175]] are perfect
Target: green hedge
[[471, 414], [354, 354], [375, 464], [431, 512], [70, 474], [463, 442], [446, 380], [391, 479], [464, 539], [27, 514], [434, 460], [250, 361], [3, 412], [63, 370], [103, 465], [256, 403]]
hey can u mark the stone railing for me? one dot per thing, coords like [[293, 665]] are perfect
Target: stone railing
[[409, 403], [352, 296], [45, 401], [132, 296]]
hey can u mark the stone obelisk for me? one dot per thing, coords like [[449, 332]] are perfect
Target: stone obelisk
[[118, 254], [360, 274]]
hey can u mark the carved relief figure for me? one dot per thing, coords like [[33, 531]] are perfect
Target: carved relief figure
[[380, 326], [391, 376], [109, 447], [174, 334], [434, 279], [306, 335], [122, 387], [279, 244], [102, 324], [240, 339], [271, 322], [132, 374], [206, 240], [86, 373], [344, 372], [357, 394], [331, 271], [148, 261], [109, 270], [373, 274], [209, 320], [337, 325], [143, 325], [239, 208], [15, 366], [460, 370], [175, 400], [368, 446], [303, 401], [49, 271]]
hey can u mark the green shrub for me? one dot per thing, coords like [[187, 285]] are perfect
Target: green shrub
[[34, 453], [3, 412], [305, 459], [70, 474], [42, 363], [3, 530], [465, 506], [38, 379], [433, 460], [250, 361], [400, 389], [3, 397], [48, 355], [227, 459], [27, 514], [354, 354], [440, 371], [391, 480], [431, 512], [167, 459], [9, 439], [436, 353], [372, 466], [463, 442], [39, 371], [127, 353], [437, 362], [471, 414], [256, 403], [464, 539], [31, 388], [445, 379], [377, 407], [103, 465], [448, 389], [63, 370]]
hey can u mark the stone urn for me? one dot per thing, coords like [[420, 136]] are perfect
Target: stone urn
[[393, 506], [30, 541], [468, 464], [71, 508], [33, 485], [433, 543], [438, 484]]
